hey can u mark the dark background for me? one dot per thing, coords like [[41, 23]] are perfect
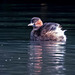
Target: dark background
[[16, 14], [52, 2]]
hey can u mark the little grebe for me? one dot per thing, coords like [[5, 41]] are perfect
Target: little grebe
[[46, 31]]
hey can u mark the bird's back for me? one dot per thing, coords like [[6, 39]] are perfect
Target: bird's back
[[47, 32]]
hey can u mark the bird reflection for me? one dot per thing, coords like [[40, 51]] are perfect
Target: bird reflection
[[46, 58]]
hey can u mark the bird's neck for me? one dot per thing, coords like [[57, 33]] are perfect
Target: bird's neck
[[35, 28]]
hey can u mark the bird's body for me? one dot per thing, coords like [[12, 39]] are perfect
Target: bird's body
[[47, 32]]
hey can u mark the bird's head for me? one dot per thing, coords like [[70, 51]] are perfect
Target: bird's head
[[36, 22]]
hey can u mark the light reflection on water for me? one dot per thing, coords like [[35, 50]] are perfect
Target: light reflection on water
[[46, 58], [21, 57]]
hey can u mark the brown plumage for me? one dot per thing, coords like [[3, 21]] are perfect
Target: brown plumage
[[47, 31]]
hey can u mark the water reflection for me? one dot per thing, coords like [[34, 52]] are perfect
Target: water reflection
[[44, 10], [46, 58]]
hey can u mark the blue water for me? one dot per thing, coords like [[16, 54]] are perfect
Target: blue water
[[32, 58], [25, 57], [20, 56]]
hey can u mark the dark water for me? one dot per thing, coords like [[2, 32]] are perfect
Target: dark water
[[20, 56]]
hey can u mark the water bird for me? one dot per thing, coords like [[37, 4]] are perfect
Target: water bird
[[48, 31]]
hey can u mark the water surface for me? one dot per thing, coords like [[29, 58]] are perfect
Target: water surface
[[20, 56]]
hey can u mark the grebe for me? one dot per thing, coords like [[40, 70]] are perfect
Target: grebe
[[46, 31]]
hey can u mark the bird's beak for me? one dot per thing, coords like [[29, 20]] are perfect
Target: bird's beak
[[31, 24]]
